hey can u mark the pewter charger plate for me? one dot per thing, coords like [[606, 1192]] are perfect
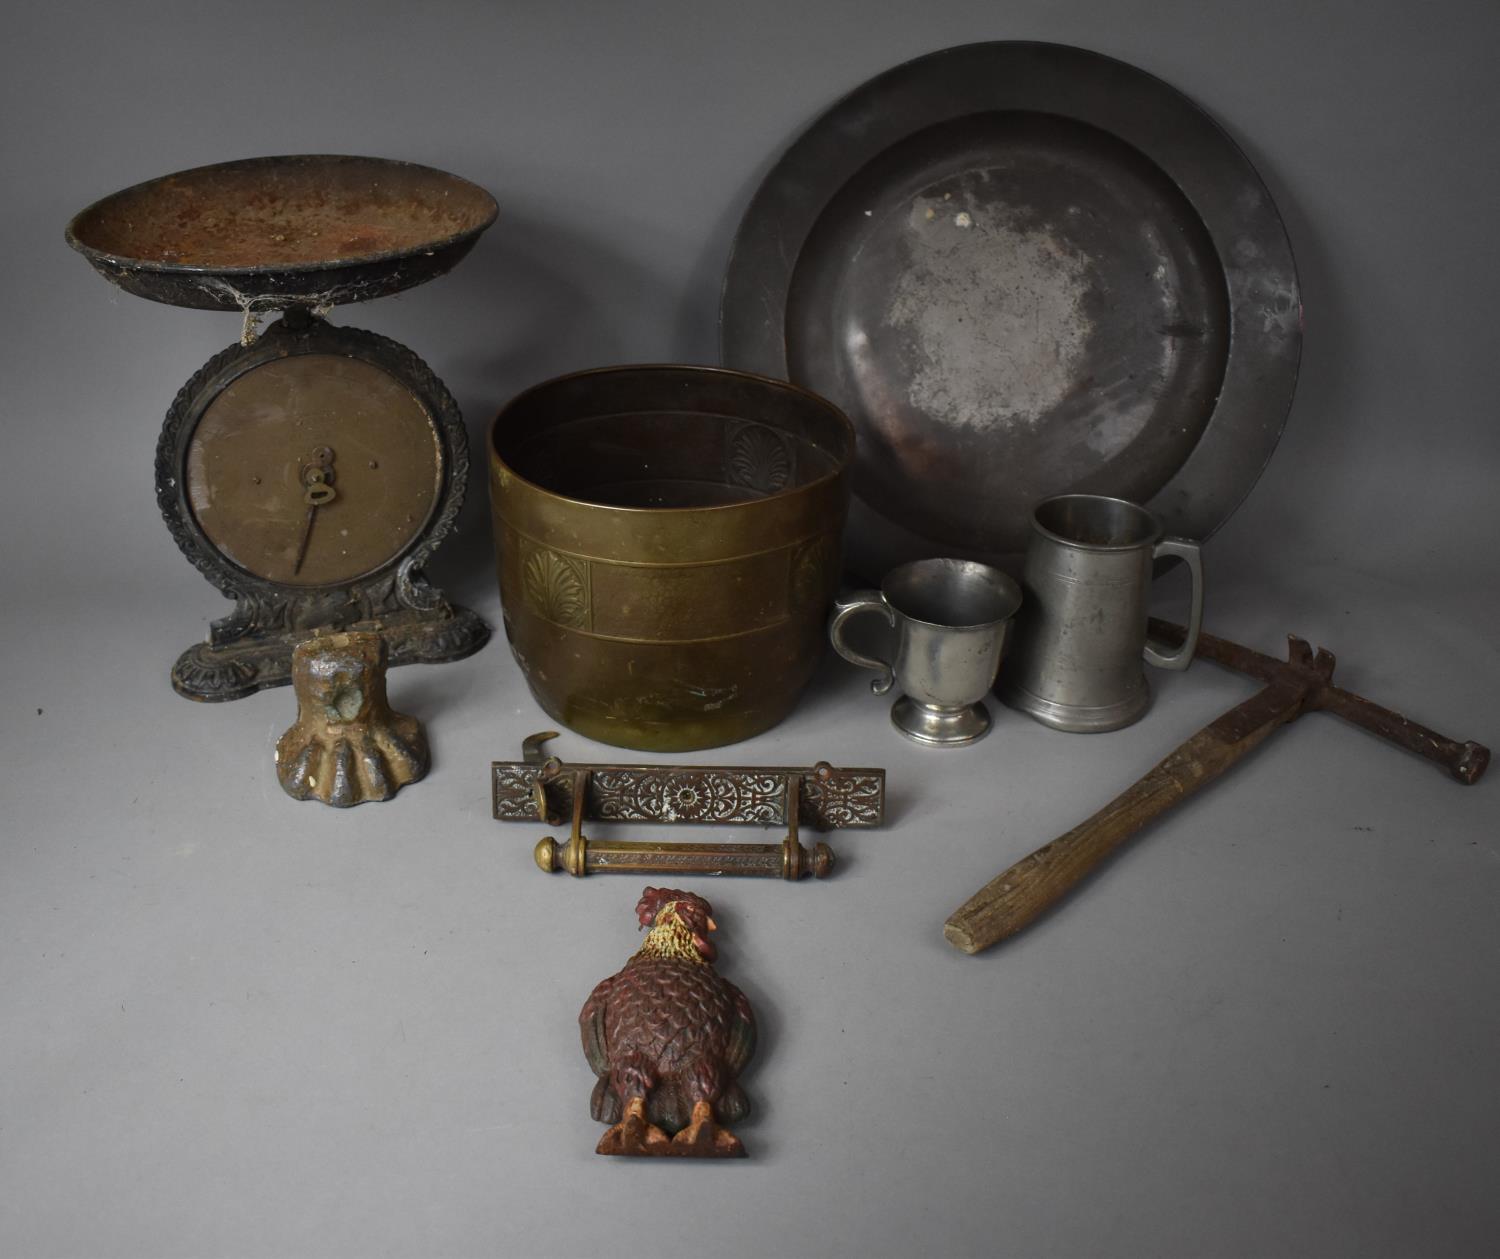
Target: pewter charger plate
[[1022, 269]]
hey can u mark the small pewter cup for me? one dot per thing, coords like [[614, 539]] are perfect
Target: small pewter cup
[[952, 619], [1079, 644]]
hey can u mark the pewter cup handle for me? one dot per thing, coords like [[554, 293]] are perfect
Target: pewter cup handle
[[862, 601], [1187, 551]]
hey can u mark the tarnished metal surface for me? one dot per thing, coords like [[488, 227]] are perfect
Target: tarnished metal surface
[[348, 745], [820, 796], [951, 619], [270, 232], [256, 444], [827, 798], [1081, 634], [668, 541], [1023, 270], [787, 860], [232, 480]]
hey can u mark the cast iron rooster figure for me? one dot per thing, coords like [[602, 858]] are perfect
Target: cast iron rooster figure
[[667, 1038]]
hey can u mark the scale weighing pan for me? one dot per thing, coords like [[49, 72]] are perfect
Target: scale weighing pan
[[269, 233], [1022, 270]]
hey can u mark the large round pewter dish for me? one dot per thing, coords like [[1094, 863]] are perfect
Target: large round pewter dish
[[669, 544], [266, 233], [1023, 270]]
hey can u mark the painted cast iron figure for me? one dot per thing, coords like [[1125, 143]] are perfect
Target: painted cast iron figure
[[667, 1037]]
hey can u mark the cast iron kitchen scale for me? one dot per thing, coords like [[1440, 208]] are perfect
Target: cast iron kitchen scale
[[309, 471]]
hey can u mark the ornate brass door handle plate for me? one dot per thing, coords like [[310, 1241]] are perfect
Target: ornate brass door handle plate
[[820, 796]]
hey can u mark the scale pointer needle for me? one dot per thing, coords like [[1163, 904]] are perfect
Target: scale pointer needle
[[317, 483]]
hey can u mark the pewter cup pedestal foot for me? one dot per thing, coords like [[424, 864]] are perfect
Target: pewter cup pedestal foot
[[944, 727]]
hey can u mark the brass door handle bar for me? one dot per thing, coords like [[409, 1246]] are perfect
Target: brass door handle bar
[[787, 860], [819, 796]]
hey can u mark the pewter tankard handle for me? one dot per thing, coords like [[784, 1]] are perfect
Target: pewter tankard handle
[[1188, 552], [853, 605]]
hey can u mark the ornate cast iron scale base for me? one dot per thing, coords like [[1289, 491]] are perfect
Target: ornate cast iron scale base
[[251, 648], [217, 670]]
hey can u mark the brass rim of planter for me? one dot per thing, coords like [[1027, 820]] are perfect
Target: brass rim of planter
[[842, 467]]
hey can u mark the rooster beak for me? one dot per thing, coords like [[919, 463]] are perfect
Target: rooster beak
[[712, 925]]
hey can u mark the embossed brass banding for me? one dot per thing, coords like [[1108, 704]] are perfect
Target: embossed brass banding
[[669, 543]]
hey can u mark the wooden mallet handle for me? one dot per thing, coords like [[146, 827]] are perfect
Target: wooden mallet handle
[[1008, 903], [1035, 883]]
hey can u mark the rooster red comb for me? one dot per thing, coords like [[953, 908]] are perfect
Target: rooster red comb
[[653, 898]]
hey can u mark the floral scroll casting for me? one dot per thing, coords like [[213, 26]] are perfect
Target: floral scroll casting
[[688, 796], [830, 799], [843, 799]]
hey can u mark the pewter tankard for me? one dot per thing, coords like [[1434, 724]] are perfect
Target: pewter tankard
[[952, 619], [1081, 637]]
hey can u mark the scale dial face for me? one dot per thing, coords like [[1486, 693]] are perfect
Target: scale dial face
[[313, 469]]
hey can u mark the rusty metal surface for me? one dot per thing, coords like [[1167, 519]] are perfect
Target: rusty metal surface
[[1023, 270], [669, 542], [1301, 683], [1465, 761], [269, 232]]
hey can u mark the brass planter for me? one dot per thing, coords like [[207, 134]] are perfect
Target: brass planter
[[669, 542]]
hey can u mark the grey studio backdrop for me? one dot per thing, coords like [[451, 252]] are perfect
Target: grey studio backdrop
[[235, 1025]]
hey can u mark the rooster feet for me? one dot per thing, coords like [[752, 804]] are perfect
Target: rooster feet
[[703, 1138], [635, 1134]]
